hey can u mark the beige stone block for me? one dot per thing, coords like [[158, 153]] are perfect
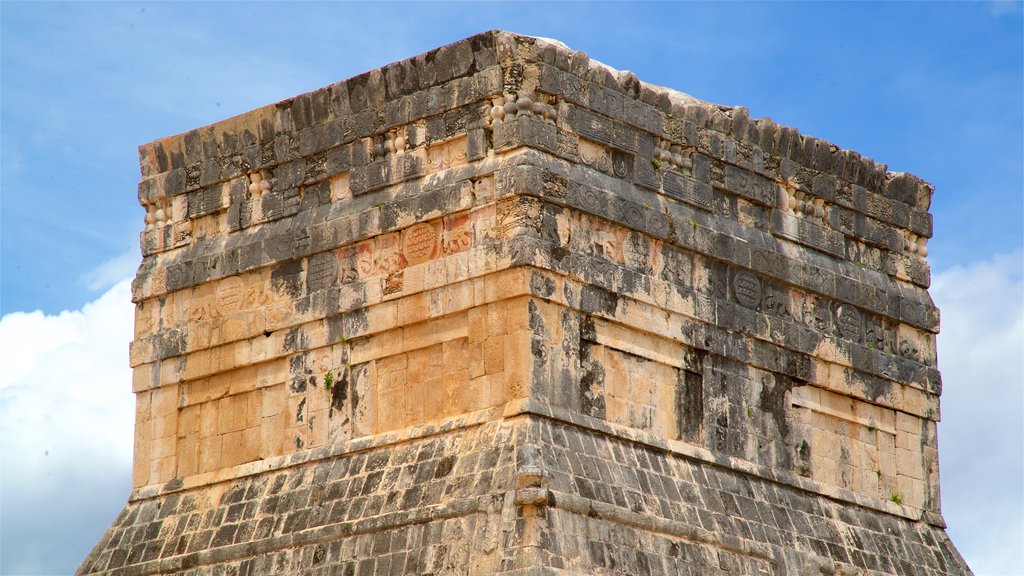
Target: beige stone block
[[907, 440], [253, 408], [188, 422], [272, 373], [906, 485], [295, 438], [316, 334], [187, 456], [250, 449], [413, 308], [887, 464], [477, 318], [477, 393], [616, 378], [140, 466], [197, 365], [617, 410], [232, 449], [837, 403], [162, 470], [909, 463], [518, 364], [261, 349], [364, 386], [162, 447], [295, 410], [392, 364], [460, 266], [207, 389], [272, 434], [164, 400], [230, 417], [827, 470], [413, 404], [455, 355], [389, 343], [494, 355], [233, 328], [390, 409], [476, 359], [497, 392], [422, 364], [144, 377], [222, 359], [908, 423], [496, 319], [273, 400], [365, 349], [414, 279], [457, 297], [147, 319], [339, 187], [664, 424], [451, 327], [834, 445], [317, 428], [869, 482], [209, 419], [433, 398], [435, 331], [517, 314], [455, 386], [241, 380], [506, 284], [164, 426], [390, 381], [140, 352]]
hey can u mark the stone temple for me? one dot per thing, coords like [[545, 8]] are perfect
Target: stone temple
[[502, 309]]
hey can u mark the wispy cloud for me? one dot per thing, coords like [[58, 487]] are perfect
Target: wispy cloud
[[981, 355], [1005, 7], [112, 270]]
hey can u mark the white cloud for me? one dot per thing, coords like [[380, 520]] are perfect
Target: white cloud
[[66, 429], [981, 437]]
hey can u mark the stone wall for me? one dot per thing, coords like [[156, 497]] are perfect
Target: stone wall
[[499, 308]]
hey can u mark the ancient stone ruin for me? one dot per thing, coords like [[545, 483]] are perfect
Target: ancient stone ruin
[[501, 309]]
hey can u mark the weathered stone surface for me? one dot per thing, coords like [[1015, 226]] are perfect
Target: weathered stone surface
[[499, 308]]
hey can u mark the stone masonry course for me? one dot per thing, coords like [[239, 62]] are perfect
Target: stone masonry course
[[502, 309]]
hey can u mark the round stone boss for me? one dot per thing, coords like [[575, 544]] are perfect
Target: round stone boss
[[229, 295], [418, 243], [747, 289]]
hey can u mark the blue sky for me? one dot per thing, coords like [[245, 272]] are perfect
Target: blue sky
[[929, 88]]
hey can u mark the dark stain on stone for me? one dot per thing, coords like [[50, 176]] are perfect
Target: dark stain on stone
[[541, 285], [802, 463], [297, 367], [594, 299], [287, 277], [339, 392], [875, 388], [689, 400], [774, 401], [444, 467], [592, 375]]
